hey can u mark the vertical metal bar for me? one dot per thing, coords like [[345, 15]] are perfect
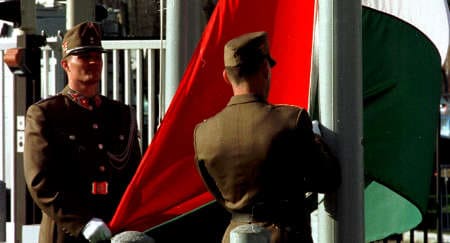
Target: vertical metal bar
[[151, 93], [139, 99], [340, 87], [18, 189], [116, 69], [162, 68], [127, 76], [44, 72], [184, 27], [17, 184], [53, 64], [438, 188], [2, 115], [161, 99], [2, 211], [348, 122], [104, 81], [326, 225], [2, 153]]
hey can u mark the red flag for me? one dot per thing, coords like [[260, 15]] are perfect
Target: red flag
[[166, 183]]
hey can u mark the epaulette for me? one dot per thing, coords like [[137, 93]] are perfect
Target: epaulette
[[289, 105], [52, 97]]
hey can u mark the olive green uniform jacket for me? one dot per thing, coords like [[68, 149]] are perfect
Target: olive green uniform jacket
[[262, 158], [71, 153]]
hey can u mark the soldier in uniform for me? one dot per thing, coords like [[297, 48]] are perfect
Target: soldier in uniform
[[81, 148], [259, 159]]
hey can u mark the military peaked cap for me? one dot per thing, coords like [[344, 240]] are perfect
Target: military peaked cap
[[247, 48], [83, 37]]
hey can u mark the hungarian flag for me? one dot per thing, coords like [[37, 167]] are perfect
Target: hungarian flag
[[404, 46], [166, 184]]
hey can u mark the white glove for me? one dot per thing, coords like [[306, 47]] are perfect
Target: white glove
[[316, 127], [96, 230]]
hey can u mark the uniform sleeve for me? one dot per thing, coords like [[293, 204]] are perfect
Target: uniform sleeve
[[207, 179], [322, 168], [43, 177]]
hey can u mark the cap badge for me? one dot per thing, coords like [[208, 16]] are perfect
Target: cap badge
[[90, 25], [64, 46]]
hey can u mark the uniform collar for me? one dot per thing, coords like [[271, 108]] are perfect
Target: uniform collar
[[245, 98], [81, 100]]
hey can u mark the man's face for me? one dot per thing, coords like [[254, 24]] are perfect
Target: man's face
[[84, 68]]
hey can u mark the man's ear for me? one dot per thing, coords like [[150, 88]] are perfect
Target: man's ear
[[64, 64], [225, 76]]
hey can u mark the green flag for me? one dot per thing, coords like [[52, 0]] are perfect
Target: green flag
[[404, 46]]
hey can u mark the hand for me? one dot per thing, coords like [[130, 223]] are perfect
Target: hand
[[96, 230], [316, 127]]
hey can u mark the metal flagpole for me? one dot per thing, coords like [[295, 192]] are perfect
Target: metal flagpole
[[185, 22], [340, 111]]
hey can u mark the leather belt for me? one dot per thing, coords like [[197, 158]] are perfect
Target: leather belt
[[257, 216], [242, 217]]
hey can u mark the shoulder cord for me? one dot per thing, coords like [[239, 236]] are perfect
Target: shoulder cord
[[119, 161]]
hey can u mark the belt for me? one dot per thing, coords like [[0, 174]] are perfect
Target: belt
[[258, 212], [242, 217], [282, 213], [257, 216]]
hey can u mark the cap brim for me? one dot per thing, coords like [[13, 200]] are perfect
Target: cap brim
[[85, 49]]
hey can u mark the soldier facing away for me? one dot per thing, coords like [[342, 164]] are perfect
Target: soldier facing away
[[259, 159]]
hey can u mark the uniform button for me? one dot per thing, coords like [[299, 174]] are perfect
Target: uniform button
[[121, 137], [101, 168], [100, 146], [95, 126], [84, 102]]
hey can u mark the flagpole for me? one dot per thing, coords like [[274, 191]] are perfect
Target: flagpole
[[185, 23], [340, 111]]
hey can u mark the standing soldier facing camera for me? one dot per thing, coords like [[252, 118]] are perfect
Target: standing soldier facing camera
[[81, 148], [259, 159]]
